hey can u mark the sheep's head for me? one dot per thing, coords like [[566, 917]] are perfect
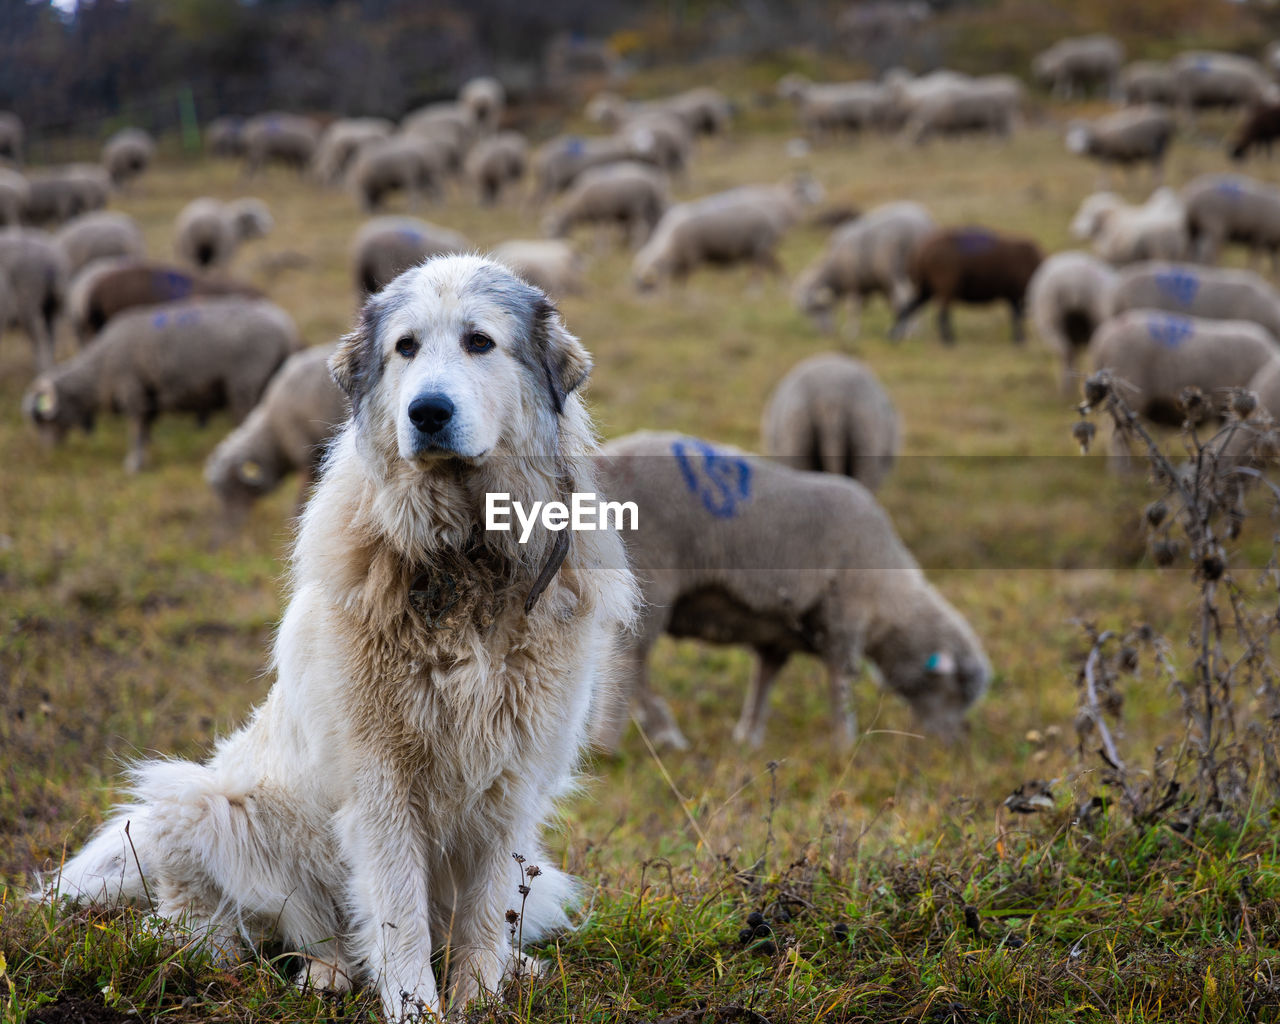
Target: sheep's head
[[814, 297], [250, 218], [239, 479], [1091, 219], [52, 414]]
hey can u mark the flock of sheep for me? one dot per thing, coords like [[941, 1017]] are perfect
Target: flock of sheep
[[158, 337]]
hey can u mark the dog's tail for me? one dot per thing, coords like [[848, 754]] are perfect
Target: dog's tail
[[114, 867]]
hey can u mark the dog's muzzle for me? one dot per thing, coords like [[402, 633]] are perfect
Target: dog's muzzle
[[432, 418]]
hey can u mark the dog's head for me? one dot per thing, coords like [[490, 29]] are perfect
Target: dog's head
[[459, 359]]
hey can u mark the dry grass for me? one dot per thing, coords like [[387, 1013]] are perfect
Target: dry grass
[[125, 629]]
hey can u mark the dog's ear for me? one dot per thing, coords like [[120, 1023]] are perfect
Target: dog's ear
[[356, 363], [564, 361]]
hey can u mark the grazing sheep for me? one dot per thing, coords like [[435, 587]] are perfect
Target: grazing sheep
[[451, 125], [485, 99], [57, 194], [224, 137], [195, 356], [411, 164], [991, 104], [548, 264], [1222, 208], [385, 247], [496, 162], [127, 154], [1072, 67], [35, 269], [971, 265], [108, 287], [867, 256], [1148, 81], [98, 235], [12, 137], [1121, 233], [1206, 79], [558, 162], [631, 195], [287, 431], [741, 225], [1157, 354], [735, 549], [208, 231], [704, 110], [342, 141], [831, 109], [1260, 129], [1069, 296], [287, 139], [1211, 293], [1130, 136], [659, 138], [15, 197], [831, 414]]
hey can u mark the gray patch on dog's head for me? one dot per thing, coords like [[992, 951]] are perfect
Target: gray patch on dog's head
[[543, 347], [356, 364]]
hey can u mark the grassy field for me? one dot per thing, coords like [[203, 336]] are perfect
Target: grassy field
[[894, 884]]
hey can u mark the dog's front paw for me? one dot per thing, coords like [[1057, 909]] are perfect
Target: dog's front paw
[[323, 976]]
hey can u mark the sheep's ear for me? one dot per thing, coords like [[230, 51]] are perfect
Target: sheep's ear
[[564, 360], [356, 363], [941, 663], [250, 472], [44, 403]]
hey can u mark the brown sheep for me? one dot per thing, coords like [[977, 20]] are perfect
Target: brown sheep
[[111, 287], [196, 356], [971, 265]]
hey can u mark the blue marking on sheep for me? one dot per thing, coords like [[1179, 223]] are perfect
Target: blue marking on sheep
[[160, 319], [575, 146], [1181, 286], [1170, 330], [1229, 187], [409, 234], [171, 284], [974, 240], [721, 482]]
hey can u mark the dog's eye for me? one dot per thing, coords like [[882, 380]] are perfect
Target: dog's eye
[[477, 342], [407, 346]]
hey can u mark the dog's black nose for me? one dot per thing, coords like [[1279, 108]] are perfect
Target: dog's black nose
[[430, 412]]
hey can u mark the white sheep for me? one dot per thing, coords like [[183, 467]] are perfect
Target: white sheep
[[288, 139], [496, 162], [1072, 66], [207, 231], [485, 99], [741, 550], [1122, 233], [1139, 134], [1069, 297], [629, 194], [991, 104], [1210, 79], [830, 413], [196, 356], [870, 255], [98, 235], [37, 277], [127, 154], [1222, 208], [1213, 293], [549, 264], [385, 247], [287, 431], [404, 162], [342, 141], [1154, 355], [1148, 81], [15, 196]]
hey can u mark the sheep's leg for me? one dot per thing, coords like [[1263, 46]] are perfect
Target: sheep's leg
[[139, 441], [1017, 313], [905, 313], [840, 692], [945, 330], [755, 708], [853, 325]]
